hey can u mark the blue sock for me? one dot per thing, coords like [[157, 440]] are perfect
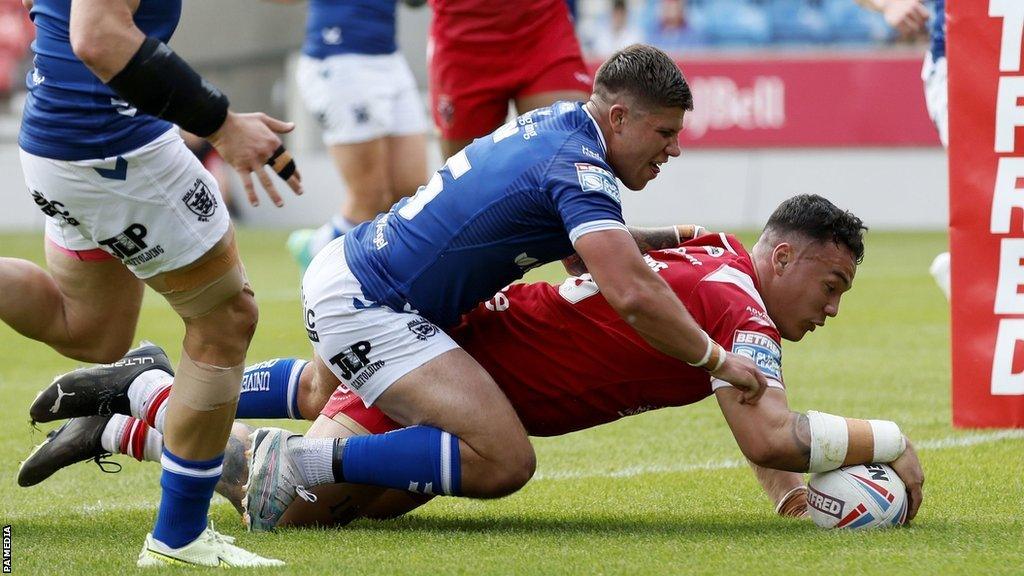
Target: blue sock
[[417, 459], [270, 389], [185, 502]]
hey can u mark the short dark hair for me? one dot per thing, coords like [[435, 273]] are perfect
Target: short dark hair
[[818, 219], [646, 73]]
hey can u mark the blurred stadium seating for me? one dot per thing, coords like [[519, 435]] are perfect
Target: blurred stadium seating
[[676, 25]]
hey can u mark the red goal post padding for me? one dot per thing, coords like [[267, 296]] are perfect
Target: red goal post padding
[[986, 168]]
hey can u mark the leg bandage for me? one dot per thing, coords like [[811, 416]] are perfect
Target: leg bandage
[[204, 387], [196, 290], [838, 441]]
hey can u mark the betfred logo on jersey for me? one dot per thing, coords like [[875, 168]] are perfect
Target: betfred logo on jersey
[[760, 348], [596, 179]]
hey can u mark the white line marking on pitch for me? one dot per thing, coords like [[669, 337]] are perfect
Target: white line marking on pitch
[[631, 471]]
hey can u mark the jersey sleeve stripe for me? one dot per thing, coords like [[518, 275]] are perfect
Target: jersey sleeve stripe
[[595, 226], [730, 275], [725, 243]]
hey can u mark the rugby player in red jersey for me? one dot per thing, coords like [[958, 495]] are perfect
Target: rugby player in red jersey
[[484, 54], [567, 362]]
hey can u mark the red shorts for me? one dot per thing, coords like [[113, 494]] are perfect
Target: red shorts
[[471, 84], [344, 402]]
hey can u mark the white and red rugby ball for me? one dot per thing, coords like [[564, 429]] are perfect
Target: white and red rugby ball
[[865, 496]]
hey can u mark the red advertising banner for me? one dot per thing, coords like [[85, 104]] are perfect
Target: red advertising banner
[[986, 167], [838, 100]]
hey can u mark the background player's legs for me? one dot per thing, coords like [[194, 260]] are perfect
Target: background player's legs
[[449, 146], [364, 168], [407, 166], [86, 310], [528, 102]]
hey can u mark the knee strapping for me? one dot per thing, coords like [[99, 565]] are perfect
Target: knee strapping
[[197, 290], [204, 387]]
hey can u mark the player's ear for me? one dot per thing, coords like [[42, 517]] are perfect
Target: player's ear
[[617, 115], [782, 257]]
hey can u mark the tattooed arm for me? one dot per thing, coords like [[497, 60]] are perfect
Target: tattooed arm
[[647, 239], [768, 433]]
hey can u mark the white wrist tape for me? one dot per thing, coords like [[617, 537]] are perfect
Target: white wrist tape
[[889, 440], [838, 441], [713, 358], [829, 441]]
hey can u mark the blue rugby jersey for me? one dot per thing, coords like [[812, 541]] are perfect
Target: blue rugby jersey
[[510, 201], [350, 27], [69, 113]]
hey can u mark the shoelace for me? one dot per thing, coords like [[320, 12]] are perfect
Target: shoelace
[[218, 537], [107, 466], [305, 494]]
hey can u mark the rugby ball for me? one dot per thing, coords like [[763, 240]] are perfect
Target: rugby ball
[[865, 496]]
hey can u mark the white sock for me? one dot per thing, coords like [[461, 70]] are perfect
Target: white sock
[[110, 439], [315, 459], [130, 433], [147, 388]]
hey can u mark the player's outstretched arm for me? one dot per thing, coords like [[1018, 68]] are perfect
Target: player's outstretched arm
[[647, 303], [646, 239], [908, 17], [148, 74], [772, 436]]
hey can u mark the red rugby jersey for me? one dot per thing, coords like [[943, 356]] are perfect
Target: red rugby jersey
[[568, 362]]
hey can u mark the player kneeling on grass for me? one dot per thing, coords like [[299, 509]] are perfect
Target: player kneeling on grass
[[567, 362]]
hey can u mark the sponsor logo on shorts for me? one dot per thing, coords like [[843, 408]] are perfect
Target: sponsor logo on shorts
[[53, 209], [760, 348], [596, 179], [200, 200], [130, 247], [310, 317], [355, 361], [422, 328], [361, 113], [445, 110], [824, 503]]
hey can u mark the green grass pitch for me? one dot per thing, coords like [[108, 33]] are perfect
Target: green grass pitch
[[661, 493]]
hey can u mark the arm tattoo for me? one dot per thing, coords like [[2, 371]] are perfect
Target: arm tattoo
[[648, 239], [802, 434]]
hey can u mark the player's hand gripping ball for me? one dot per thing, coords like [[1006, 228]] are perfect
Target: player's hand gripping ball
[[865, 496]]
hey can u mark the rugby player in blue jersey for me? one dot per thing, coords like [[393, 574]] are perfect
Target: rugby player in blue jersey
[[128, 205], [360, 89], [537, 190]]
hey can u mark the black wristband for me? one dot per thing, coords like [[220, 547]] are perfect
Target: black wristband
[[158, 82]]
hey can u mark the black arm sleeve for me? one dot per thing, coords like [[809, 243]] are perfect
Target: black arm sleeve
[[158, 82]]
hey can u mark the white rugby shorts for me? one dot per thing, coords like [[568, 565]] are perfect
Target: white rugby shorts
[[361, 97], [155, 208], [368, 346], [936, 95]]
